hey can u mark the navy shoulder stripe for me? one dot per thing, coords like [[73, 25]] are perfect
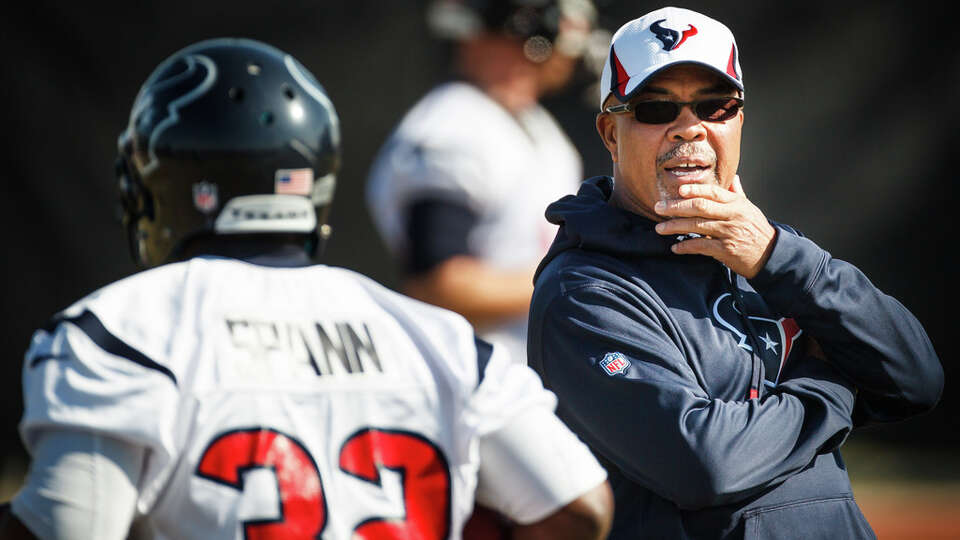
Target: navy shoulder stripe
[[484, 351], [94, 329]]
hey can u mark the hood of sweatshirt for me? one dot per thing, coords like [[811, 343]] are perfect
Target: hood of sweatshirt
[[588, 221]]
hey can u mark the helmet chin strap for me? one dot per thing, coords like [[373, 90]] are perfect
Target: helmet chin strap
[[319, 240]]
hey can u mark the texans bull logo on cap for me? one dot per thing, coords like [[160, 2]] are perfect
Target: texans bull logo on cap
[[775, 337], [671, 39]]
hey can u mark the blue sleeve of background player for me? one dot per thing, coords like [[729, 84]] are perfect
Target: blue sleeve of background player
[[437, 230], [871, 337], [655, 421]]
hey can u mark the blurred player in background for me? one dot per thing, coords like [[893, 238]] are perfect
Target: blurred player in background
[[459, 189], [243, 392]]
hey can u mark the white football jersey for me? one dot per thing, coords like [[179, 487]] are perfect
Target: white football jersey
[[304, 401], [459, 145]]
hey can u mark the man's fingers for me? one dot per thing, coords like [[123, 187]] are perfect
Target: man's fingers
[[736, 186], [698, 246], [695, 207], [702, 226], [708, 191]]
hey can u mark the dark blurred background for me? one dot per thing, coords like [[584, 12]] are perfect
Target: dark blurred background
[[848, 137]]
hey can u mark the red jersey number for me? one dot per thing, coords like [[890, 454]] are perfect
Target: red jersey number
[[303, 511], [423, 467], [426, 481]]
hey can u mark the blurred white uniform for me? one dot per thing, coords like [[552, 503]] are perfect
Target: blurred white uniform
[[460, 146], [290, 401]]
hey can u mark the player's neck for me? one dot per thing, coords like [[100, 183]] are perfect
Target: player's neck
[[265, 250]]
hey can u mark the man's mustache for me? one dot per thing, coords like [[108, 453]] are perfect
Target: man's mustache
[[700, 150]]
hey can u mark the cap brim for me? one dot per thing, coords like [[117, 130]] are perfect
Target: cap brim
[[635, 84]]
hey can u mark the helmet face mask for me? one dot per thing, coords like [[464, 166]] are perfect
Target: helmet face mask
[[226, 125]]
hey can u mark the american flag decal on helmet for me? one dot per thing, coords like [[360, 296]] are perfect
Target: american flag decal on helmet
[[293, 181]]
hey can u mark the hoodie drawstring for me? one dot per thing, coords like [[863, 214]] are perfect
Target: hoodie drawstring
[[755, 378]]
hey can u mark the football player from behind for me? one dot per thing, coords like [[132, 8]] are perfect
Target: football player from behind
[[238, 390]]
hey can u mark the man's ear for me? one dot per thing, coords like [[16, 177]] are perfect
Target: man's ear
[[607, 129]]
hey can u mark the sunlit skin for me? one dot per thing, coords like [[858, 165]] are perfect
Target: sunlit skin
[[557, 70], [706, 199], [495, 64]]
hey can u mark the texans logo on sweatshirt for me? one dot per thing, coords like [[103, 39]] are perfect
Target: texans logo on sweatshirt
[[775, 337]]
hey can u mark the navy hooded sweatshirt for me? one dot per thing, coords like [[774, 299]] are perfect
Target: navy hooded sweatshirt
[[652, 354]]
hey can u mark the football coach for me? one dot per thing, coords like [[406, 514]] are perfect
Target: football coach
[[716, 360]]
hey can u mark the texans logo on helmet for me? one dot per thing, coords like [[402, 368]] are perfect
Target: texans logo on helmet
[[776, 337], [670, 38], [191, 79]]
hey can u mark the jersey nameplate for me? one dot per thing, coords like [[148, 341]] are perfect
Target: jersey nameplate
[[328, 348]]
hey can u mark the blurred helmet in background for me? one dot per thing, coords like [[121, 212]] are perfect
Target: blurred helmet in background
[[227, 137], [542, 25]]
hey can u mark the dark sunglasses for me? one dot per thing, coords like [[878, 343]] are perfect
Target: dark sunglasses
[[662, 112]]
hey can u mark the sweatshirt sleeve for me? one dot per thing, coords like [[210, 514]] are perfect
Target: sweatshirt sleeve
[[655, 422], [871, 337]]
